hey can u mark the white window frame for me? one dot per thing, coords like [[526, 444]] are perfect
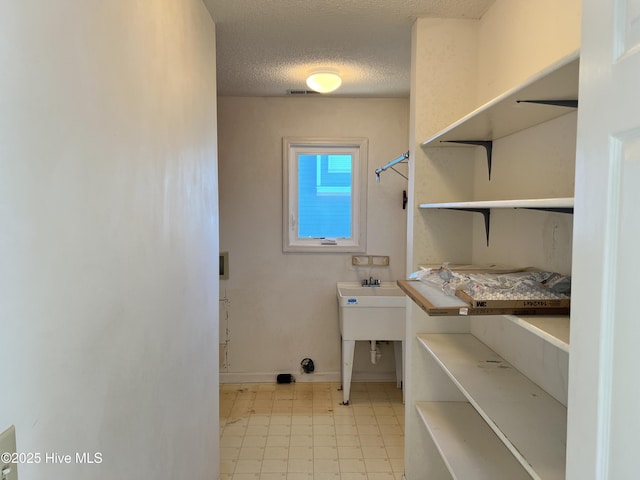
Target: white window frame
[[291, 147]]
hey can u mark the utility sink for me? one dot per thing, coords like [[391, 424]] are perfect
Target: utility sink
[[387, 294], [373, 313]]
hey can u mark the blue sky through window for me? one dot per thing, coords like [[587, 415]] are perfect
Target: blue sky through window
[[324, 195]]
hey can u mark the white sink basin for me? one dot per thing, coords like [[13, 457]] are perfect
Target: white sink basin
[[388, 294], [370, 313]]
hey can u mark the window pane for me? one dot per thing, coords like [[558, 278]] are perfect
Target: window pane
[[324, 195]]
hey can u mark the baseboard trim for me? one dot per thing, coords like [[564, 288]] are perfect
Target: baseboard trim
[[328, 377]]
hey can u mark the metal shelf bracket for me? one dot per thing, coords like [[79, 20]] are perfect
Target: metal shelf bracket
[[487, 144], [556, 103], [551, 209], [486, 213]]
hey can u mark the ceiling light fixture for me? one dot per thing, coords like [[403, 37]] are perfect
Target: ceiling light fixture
[[325, 81]]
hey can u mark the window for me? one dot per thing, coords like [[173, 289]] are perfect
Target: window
[[325, 194]]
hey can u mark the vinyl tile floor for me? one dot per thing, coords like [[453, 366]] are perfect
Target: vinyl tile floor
[[301, 431]]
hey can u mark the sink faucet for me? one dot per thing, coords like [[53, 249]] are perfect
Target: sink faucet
[[372, 282]]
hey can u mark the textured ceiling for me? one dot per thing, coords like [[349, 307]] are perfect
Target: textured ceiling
[[266, 47]]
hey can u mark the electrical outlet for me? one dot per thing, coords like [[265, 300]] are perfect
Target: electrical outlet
[[8, 470], [360, 260], [380, 260], [370, 260]]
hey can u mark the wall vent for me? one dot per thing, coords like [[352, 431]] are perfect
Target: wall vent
[[302, 92]]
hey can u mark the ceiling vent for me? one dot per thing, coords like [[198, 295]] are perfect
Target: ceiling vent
[[302, 92]]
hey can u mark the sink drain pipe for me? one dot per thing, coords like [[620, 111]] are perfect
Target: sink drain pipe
[[375, 352]]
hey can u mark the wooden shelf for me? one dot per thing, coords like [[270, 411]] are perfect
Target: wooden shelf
[[504, 116], [530, 422], [432, 299], [469, 448], [532, 203]]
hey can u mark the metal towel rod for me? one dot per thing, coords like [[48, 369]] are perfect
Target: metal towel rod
[[390, 165]]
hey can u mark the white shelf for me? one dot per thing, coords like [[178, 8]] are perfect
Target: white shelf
[[469, 448], [560, 205], [503, 116], [554, 329], [534, 203], [530, 422]]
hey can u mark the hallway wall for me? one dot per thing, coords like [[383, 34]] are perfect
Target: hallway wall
[[109, 237]]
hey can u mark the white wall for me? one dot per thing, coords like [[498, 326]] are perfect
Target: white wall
[[443, 66], [109, 237], [282, 307], [518, 38]]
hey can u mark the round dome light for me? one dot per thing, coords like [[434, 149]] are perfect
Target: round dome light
[[324, 82]]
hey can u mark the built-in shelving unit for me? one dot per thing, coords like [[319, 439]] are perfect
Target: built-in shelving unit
[[529, 421], [489, 417]]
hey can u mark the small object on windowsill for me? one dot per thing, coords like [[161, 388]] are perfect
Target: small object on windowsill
[[328, 241]]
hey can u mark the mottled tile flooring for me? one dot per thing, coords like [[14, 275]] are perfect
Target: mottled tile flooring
[[301, 431]]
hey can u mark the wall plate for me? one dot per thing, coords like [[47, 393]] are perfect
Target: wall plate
[[224, 265], [370, 260], [360, 260], [379, 260], [8, 471]]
